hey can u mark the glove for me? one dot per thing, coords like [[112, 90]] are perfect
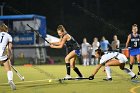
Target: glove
[[91, 77]]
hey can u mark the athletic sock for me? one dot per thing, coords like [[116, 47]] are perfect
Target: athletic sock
[[128, 71], [108, 72], [10, 75], [139, 66], [131, 66], [78, 72], [68, 68]]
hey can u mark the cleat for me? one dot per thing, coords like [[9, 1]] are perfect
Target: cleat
[[67, 77], [138, 73], [134, 78], [107, 79], [12, 85]]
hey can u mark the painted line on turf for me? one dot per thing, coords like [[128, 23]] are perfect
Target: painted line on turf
[[132, 90], [40, 80], [28, 81]]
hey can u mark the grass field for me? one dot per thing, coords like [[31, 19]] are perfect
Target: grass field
[[37, 81]]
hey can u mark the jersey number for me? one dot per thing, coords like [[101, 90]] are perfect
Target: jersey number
[[1, 39], [135, 44]]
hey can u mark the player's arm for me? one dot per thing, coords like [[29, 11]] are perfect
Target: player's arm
[[128, 40], [95, 71], [10, 49], [61, 43], [56, 43]]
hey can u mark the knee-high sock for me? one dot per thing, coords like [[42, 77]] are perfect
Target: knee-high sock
[[139, 66], [10, 75], [131, 66], [108, 72], [68, 68], [128, 71], [78, 72]]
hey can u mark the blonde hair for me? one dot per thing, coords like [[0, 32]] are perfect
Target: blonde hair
[[62, 28], [4, 27]]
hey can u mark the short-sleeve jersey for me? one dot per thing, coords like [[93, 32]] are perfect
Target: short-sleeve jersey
[[5, 38]]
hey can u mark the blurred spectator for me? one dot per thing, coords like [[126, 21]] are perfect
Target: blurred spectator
[[115, 43], [95, 45], [104, 44], [84, 51]]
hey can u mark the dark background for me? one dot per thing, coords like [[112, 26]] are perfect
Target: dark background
[[82, 18]]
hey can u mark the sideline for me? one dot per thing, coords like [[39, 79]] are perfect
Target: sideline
[[132, 90]]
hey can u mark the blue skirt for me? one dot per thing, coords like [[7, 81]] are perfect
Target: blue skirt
[[134, 51]]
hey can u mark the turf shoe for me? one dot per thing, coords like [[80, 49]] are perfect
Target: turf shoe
[[135, 77], [107, 79], [138, 73], [67, 77], [12, 85]]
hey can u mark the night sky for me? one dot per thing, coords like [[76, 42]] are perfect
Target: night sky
[[82, 18]]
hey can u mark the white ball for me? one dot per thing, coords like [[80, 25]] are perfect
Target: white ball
[[50, 80]]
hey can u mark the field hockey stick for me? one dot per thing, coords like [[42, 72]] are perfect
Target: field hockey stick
[[18, 74], [74, 79], [38, 33]]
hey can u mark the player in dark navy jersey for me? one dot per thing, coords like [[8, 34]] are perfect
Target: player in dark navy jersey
[[134, 41], [73, 50]]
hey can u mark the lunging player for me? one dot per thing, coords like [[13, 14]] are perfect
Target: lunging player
[[73, 50], [111, 59]]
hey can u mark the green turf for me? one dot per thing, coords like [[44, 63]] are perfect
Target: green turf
[[37, 81]]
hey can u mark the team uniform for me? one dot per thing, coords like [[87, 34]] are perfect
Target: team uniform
[[5, 38], [113, 55], [135, 45], [114, 59], [85, 48], [73, 45]]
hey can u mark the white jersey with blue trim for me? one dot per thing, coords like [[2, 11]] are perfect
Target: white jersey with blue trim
[[108, 56], [5, 38]]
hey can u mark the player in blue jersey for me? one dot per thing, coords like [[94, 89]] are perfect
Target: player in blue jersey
[[73, 50], [134, 41]]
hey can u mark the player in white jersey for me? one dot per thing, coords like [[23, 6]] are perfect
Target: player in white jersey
[[6, 42], [111, 59], [85, 52]]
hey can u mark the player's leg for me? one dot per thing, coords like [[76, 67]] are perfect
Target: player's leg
[[108, 70], [127, 70], [138, 60], [132, 59], [84, 59], [67, 60], [72, 62], [9, 74]]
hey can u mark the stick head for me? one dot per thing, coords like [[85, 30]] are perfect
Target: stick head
[[22, 79], [60, 80]]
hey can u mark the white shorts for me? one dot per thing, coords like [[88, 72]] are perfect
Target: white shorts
[[122, 58], [3, 58]]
